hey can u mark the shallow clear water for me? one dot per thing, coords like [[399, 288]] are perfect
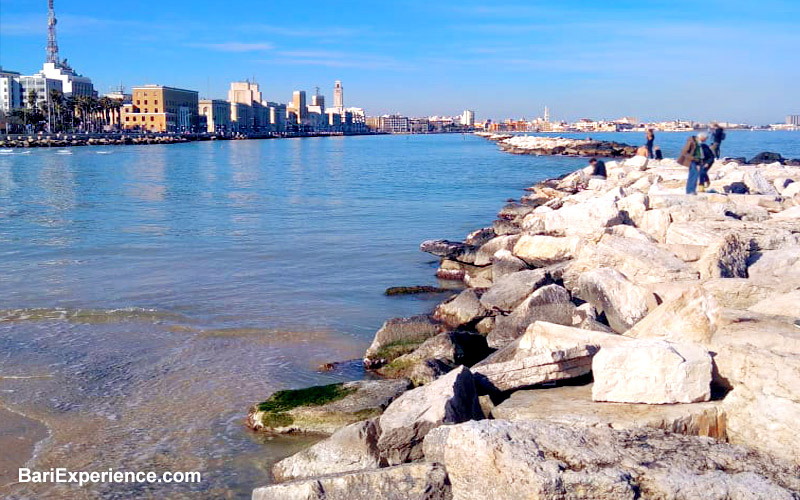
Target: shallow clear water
[[150, 294]]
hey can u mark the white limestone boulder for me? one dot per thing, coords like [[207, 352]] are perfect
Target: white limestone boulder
[[609, 291], [652, 372]]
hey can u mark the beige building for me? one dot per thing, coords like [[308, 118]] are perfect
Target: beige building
[[217, 115], [299, 106], [241, 117], [157, 108]]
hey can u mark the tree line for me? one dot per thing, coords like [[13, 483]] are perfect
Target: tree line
[[60, 113]]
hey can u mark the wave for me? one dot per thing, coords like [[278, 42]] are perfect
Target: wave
[[90, 316]]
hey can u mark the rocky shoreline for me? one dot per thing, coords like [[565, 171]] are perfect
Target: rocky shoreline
[[560, 146], [614, 338]]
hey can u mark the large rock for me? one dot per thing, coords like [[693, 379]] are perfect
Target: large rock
[[450, 399], [550, 303], [640, 261], [725, 258], [656, 223], [546, 352], [419, 481], [324, 409], [768, 235], [504, 263], [540, 250], [778, 268], [351, 448], [782, 304], [491, 247], [452, 250], [550, 461], [573, 405], [737, 293], [759, 357], [693, 317], [509, 291], [438, 355], [583, 219], [609, 291], [652, 372], [399, 336], [463, 309]]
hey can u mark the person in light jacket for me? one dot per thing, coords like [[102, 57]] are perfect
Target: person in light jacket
[[692, 157]]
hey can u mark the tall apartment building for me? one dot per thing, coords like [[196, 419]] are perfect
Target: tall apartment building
[[39, 84], [157, 108], [319, 101], [277, 116], [299, 106], [10, 90], [395, 124], [468, 118], [216, 113], [793, 120]]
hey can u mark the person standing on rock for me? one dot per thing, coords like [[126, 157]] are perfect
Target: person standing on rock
[[692, 157], [651, 137], [717, 136], [703, 180]]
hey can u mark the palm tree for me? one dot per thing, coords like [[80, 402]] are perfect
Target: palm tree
[[56, 106]]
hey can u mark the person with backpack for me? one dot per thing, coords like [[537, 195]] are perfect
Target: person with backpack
[[717, 136]]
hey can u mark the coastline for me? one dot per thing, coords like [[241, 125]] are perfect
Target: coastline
[[127, 139], [537, 291]]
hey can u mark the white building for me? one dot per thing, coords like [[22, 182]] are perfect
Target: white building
[[338, 95], [41, 85], [72, 84], [10, 90], [468, 118]]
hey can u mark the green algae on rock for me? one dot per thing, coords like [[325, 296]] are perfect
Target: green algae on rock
[[326, 408]]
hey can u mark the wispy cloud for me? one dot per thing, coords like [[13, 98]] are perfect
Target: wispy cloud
[[234, 46], [338, 59]]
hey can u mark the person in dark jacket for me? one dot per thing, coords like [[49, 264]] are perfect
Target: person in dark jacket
[[651, 137], [708, 160], [598, 168], [659, 155], [692, 157], [717, 136]]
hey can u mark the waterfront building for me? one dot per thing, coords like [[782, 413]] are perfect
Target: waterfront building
[[277, 116], [319, 101], [217, 115], [793, 120], [298, 106], [11, 96], [334, 119], [157, 108], [468, 118], [338, 95], [354, 120], [395, 124], [119, 95], [39, 84], [241, 117], [374, 123], [419, 125]]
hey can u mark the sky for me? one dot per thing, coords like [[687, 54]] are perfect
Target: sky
[[731, 61]]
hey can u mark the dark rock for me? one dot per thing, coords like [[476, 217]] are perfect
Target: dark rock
[[766, 157], [453, 250], [400, 336], [411, 290]]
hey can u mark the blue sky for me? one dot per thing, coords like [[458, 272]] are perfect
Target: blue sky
[[654, 59]]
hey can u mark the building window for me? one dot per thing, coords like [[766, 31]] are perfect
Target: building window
[[152, 118], [145, 102], [138, 102], [156, 101], [155, 110]]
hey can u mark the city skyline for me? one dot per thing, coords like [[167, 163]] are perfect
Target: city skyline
[[628, 59]]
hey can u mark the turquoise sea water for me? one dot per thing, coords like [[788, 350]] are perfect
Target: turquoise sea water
[[150, 294]]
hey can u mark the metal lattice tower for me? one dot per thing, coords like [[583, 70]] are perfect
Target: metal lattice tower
[[52, 46]]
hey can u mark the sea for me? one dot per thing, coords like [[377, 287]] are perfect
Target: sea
[[149, 295]]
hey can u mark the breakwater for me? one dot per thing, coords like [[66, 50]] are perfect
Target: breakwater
[[121, 139], [614, 337]]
